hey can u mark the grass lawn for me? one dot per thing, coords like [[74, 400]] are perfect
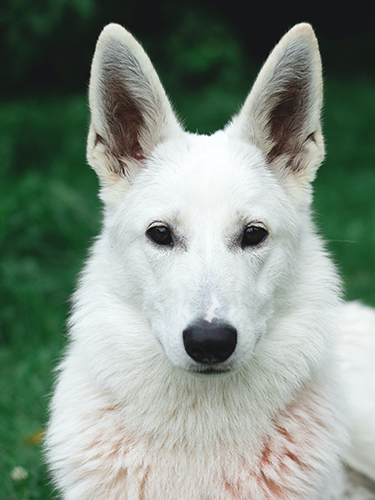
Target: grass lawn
[[49, 213]]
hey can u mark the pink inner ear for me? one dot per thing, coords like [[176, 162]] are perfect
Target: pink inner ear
[[138, 153]]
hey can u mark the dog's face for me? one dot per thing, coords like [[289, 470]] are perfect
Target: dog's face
[[201, 244], [202, 231]]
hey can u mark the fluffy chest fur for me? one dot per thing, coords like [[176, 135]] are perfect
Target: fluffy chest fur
[[294, 458]]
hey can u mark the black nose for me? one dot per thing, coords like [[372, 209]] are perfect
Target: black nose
[[210, 343]]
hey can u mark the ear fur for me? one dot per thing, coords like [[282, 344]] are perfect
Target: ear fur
[[281, 115], [130, 112]]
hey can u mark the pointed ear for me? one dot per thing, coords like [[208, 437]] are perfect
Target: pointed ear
[[281, 115], [130, 112]]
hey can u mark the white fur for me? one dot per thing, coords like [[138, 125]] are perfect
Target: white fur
[[132, 416], [357, 355]]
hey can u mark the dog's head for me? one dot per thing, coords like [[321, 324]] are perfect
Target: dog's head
[[208, 236]]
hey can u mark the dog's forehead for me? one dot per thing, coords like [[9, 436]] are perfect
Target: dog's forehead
[[209, 182], [204, 171]]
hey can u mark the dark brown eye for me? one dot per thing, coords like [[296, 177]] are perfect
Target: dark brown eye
[[161, 235], [253, 235]]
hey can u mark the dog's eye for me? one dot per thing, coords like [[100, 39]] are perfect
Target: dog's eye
[[161, 235], [253, 235]]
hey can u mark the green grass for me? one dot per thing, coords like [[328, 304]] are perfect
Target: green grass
[[49, 213], [345, 187]]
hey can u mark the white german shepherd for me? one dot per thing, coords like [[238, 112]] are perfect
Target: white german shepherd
[[202, 362]]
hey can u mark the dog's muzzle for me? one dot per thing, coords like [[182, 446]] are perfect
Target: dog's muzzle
[[210, 343]]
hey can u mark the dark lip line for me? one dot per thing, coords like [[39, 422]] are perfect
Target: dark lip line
[[210, 371]]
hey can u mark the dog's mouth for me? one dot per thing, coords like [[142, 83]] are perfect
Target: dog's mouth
[[210, 370]]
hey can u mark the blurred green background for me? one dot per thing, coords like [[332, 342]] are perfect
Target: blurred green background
[[207, 55]]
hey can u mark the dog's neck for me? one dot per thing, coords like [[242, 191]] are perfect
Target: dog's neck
[[221, 443]]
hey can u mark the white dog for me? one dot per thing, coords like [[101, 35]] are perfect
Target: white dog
[[202, 362]]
